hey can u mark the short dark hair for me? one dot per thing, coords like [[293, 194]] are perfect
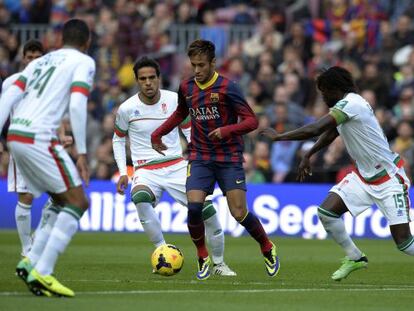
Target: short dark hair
[[75, 32], [203, 47], [33, 46], [336, 78], [146, 62]]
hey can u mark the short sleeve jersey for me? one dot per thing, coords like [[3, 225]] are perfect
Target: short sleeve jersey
[[138, 120], [47, 83], [363, 137]]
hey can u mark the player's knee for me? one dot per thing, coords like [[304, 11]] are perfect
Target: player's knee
[[142, 196], [26, 198], [195, 211], [83, 203], [208, 210], [326, 216], [238, 213], [407, 246]]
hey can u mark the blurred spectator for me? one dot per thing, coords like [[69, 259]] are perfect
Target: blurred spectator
[[40, 11], [254, 46], [261, 159], [372, 80], [404, 34], [404, 109], [185, 14], [404, 140], [298, 39], [291, 112], [370, 96], [214, 32], [253, 176], [243, 16], [334, 159], [282, 156]]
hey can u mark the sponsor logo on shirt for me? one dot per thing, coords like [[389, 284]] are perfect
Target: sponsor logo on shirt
[[164, 108], [205, 113]]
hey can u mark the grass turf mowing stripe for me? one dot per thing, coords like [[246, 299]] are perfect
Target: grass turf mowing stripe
[[233, 291]]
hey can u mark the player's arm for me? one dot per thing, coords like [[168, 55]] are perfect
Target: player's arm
[[173, 121], [185, 128], [248, 121], [314, 129], [8, 99], [81, 84], [11, 97], [118, 146], [324, 140]]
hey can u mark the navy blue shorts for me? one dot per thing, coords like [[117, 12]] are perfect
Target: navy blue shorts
[[202, 175]]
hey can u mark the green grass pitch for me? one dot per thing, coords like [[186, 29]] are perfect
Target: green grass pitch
[[111, 271]]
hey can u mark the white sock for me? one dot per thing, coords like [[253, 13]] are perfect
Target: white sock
[[215, 238], [151, 223], [64, 229], [47, 221], [335, 227], [23, 216], [407, 247]]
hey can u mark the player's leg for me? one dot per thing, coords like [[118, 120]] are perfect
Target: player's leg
[[402, 237], [74, 204], [348, 195], [395, 206], [144, 198], [200, 182], [232, 181], [236, 199], [46, 167], [23, 210], [47, 220], [175, 186], [23, 217]]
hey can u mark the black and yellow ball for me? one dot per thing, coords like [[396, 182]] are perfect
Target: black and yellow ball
[[167, 260]]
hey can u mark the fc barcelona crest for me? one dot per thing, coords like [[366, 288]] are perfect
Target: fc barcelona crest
[[164, 108], [214, 97]]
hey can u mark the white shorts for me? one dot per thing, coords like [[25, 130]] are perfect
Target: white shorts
[[45, 166], [15, 180], [171, 179], [391, 197]]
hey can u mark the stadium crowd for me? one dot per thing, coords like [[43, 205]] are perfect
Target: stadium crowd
[[276, 66]]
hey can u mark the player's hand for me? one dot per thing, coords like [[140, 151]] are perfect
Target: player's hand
[[66, 140], [270, 133], [215, 135], [159, 147], [122, 184], [304, 169], [83, 168]]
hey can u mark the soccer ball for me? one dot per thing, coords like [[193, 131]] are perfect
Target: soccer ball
[[167, 260]]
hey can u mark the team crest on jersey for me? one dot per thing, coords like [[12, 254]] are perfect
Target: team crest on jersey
[[214, 97], [136, 113], [164, 108]]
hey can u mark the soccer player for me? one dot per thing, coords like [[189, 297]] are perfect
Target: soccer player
[[45, 90], [379, 178], [215, 105], [15, 183], [138, 117]]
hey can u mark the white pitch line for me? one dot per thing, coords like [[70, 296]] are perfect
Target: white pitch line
[[167, 281], [231, 291]]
